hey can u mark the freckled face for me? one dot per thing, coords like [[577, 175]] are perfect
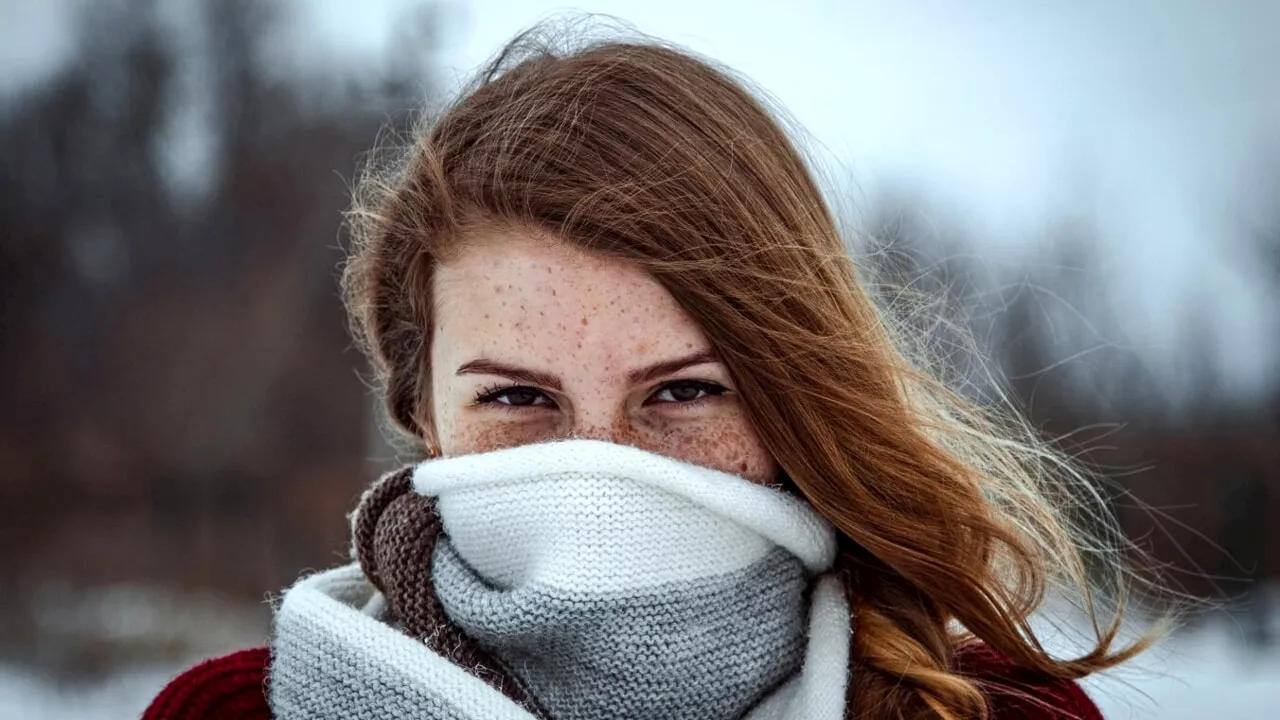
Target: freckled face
[[535, 340]]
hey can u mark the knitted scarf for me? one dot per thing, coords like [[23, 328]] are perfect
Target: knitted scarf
[[576, 580]]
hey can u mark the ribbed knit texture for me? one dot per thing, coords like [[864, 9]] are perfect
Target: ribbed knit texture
[[228, 687], [232, 686], [575, 581], [566, 581], [395, 530]]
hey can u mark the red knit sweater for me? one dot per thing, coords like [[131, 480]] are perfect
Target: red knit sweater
[[233, 687]]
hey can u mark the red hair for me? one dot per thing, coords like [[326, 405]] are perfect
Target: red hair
[[652, 155]]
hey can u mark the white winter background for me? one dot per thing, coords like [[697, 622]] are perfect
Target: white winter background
[[1159, 111]]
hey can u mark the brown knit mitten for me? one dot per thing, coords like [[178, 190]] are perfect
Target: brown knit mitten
[[395, 533]]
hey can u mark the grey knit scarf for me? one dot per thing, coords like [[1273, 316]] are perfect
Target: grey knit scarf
[[576, 580]]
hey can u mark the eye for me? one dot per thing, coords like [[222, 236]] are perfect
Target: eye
[[685, 391], [513, 396]]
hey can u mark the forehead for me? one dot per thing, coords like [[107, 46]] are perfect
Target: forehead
[[516, 296]]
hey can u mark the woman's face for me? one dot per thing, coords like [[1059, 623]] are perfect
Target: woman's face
[[535, 340]]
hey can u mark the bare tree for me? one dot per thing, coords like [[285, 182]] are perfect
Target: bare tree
[[184, 405]]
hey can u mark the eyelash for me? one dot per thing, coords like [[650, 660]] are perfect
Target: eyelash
[[491, 394], [710, 389]]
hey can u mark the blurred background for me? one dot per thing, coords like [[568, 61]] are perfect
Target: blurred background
[[1094, 188]]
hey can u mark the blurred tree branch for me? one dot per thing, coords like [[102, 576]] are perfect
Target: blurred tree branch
[[179, 359]]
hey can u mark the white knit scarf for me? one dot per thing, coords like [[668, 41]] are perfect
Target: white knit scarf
[[612, 582]]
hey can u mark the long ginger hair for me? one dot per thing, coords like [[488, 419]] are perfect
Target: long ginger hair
[[951, 515]]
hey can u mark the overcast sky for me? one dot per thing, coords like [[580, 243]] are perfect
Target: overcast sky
[[1158, 117]]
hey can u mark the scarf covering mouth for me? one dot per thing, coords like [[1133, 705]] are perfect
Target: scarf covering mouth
[[595, 581]]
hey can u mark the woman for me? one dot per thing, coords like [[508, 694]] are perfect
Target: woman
[[688, 469]]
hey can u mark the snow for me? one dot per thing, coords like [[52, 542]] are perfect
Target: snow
[[27, 695], [1202, 672]]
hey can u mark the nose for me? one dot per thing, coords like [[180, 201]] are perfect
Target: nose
[[608, 424], [615, 432]]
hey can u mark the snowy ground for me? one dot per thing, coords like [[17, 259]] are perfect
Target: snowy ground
[[1202, 672], [31, 697]]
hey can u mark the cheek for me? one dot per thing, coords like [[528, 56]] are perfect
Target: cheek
[[731, 447], [465, 438]]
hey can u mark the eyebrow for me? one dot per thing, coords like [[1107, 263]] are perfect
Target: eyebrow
[[526, 376], [482, 366], [653, 372]]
